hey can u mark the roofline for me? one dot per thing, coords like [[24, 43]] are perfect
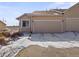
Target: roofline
[[48, 14], [71, 7], [35, 15], [20, 16], [2, 22], [53, 9]]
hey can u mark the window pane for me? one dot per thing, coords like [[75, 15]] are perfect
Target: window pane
[[25, 23]]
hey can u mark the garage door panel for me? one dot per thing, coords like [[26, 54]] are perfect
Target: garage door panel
[[72, 25], [47, 26]]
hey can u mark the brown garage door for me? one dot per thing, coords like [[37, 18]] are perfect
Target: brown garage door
[[47, 26]]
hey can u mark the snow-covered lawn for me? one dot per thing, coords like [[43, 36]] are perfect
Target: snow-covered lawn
[[68, 36], [57, 40]]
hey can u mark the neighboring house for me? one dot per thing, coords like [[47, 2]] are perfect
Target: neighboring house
[[2, 25], [54, 20]]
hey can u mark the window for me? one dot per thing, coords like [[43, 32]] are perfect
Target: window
[[25, 23]]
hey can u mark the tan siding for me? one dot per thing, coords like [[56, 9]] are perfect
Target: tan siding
[[47, 26], [41, 17], [72, 25], [25, 29], [47, 18]]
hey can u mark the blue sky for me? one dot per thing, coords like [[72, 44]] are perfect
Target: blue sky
[[10, 10]]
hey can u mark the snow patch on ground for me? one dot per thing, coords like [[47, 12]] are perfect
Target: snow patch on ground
[[57, 40]]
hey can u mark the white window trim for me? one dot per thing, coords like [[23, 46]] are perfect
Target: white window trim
[[22, 23]]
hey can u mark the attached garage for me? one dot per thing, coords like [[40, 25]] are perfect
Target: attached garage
[[47, 26], [72, 24]]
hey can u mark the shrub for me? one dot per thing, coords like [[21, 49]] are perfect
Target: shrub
[[6, 34], [16, 34], [3, 41]]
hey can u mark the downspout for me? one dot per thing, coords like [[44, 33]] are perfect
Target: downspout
[[63, 22], [20, 25], [30, 25]]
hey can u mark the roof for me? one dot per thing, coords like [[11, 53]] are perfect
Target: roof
[[2, 22], [60, 10], [41, 13], [77, 4], [51, 12], [35, 14]]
